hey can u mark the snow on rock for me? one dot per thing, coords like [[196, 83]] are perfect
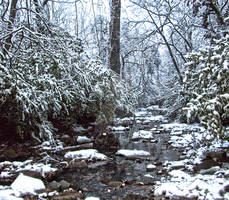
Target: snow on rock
[[27, 185], [38, 167], [141, 113], [83, 139], [182, 184], [142, 134], [119, 128], [176, 127], [157, 118], [184, 141], [92, 198], [132, 153], [8, 194], [86, 154], [151, 167]]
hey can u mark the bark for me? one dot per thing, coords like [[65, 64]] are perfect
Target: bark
[[12, 15], [114, 57]]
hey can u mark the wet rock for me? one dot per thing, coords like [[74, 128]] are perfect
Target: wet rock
[[83, 139], [54, 186], [206, 164], [32, 173], [92, 198], [148, 179], [26, 184], [87, 154], [68, 195], [64, 184], [151, 168], [142, 134], [135, 197], [132, 153], [218, 156], [66, 139], [76, 164], [106, 142], [212, 170]]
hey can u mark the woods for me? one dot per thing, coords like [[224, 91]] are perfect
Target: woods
[[114, 99], [49, 72]]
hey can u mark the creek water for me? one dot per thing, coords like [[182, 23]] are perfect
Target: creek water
[[125, 177]]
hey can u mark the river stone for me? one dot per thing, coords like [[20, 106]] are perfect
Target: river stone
[[83, 139], [212, 170], [85, 154], [151, 168], [64, 184], [142, 134], [92, 198], [132, 153], [54, 185], [27, 185]]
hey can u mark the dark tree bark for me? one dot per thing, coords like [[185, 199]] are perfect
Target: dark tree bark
[[12, 15], [114, 57]]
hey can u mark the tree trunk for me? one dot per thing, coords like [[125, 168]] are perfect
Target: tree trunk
[[114, 57], [12, 15]]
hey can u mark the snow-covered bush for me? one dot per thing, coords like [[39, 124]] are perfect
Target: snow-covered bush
[[206, 87], [50, 77]]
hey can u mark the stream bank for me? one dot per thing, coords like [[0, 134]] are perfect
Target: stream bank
[[146, 157]]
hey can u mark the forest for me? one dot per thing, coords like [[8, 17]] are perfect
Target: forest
[[84, 68]]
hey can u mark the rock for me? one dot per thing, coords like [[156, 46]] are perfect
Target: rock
[[92, 198], [218, 156], [54, 185], [64, 185], [226, 188], [68, 195], [77, 163], [132, 153], [151, 168], [142, 134], [83, 140], [27, 185], [86, 154], [206, 164], [212, 170], [148, 179], [106, 141], [66, 139]]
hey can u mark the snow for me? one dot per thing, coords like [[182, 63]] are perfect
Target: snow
[[119, 128], [151, 167], [156, 118], [141, 113], [27, 185], [132, 153], [183, 184], [92, 198], [87, 154], [38, 167], [83, 139], [8, 194], [142, 134]]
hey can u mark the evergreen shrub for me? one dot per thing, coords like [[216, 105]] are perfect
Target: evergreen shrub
[[46, 78], [206, 88]]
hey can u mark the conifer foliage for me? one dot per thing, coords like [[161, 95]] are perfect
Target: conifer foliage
[[206, 87]]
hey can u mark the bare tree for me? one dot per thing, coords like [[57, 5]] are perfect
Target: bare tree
[[114, 57], [12, 16]]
